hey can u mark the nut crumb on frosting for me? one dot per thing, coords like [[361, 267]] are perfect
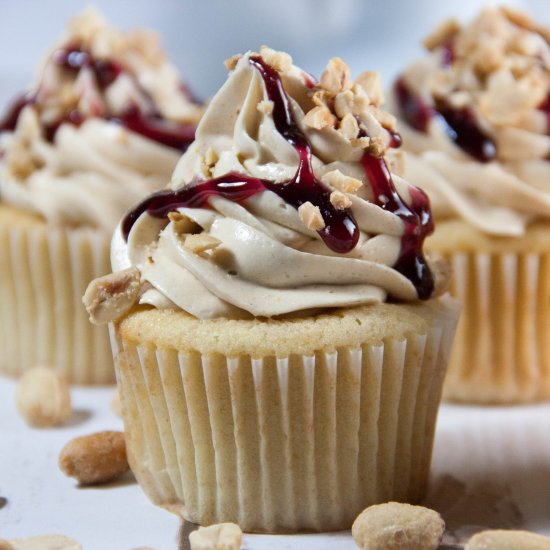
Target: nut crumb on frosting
[[311, 216], [110, 297], [341, 182], [319, 118], [280, 61], [349, 127], [340, 200], [444, 32], [265, 106], [232, 61], [335, 77], [200, 242], [220, 536]]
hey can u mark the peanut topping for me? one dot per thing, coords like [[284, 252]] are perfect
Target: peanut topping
[[319, 118], [232, 61], [349, 127], [265, 107], [340, 181], [311, 216], [340, 200], [441, 34], [335, 77], [110, 297], [201, 243], [280, 61], [500, 65], [371, 82]]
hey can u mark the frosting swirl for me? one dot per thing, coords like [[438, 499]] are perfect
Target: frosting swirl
[[476, 118], [284, 203], [103, 126]]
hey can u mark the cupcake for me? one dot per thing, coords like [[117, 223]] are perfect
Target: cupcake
[[475, 124], [279, 350], [103, 126]]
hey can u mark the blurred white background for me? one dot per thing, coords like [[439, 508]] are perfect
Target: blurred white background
[[382, 35]]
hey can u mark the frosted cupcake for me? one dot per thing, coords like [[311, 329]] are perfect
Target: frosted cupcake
[[103, 126], [475, 117], [284, 365]]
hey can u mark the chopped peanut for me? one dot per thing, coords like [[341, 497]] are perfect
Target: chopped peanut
[[441, 34], [232, 61], [335, 77], [319, 118], [340, 200], [311, 216], [341, 182], [201, 242]]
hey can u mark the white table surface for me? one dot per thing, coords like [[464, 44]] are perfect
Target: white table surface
[[491, 468]]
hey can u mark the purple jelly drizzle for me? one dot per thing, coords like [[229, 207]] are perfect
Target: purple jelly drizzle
[[341, 232], [8, 122], [460, 124], [417, 219], [150, 125]]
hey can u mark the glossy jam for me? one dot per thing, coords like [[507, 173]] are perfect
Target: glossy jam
[[74, 59], [9, 120], [417, 219], [462, 127], [150, 125], [460, 124], [414, 110], [341, 232]]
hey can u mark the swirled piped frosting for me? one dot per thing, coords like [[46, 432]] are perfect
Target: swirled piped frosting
[[475, 115], [103, 125], [284, 203]]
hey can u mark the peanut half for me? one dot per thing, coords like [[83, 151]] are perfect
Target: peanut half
[[43, 542], [43, 398], [398, 526], [221, 536], [500, 539], [96, 458]]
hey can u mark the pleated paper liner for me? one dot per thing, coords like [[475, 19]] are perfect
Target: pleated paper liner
[[43, 275], [502, 348], [296, 443]]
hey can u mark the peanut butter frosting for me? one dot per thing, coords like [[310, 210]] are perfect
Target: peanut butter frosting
[[103, 125], [283, 204], [475, 117]]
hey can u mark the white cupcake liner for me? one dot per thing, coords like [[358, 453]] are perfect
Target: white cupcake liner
[[283, 444], [43, 275], [502, 347]]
